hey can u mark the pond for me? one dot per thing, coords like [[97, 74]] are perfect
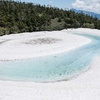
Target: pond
[[52, 68]]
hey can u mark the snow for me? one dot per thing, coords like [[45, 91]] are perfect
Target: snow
[[30, 45]]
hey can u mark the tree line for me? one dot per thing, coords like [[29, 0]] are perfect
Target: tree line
[[17, 17]]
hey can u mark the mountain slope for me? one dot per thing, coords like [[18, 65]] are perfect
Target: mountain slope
[[87, 12]]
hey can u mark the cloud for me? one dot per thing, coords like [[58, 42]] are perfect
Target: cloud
[[50, 2], [89, 5]]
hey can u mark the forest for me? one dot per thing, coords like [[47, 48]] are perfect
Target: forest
[[18, 17]]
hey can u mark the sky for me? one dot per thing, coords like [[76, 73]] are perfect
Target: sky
[[88, 5]]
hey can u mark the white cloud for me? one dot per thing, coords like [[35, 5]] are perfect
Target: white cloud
[[89, 5], [50, 2]]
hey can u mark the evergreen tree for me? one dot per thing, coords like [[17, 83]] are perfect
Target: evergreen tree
[[16, 17]]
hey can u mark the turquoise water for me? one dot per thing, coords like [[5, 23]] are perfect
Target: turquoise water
[[51, 68]]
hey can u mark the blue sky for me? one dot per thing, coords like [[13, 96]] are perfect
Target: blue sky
[[56, 3], [88, 5]]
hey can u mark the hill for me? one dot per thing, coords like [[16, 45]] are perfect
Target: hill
[[16, 17]]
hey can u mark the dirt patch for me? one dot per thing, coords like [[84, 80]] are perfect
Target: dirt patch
[[43, 41]]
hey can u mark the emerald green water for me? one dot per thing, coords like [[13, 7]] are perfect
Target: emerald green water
[[54, 67]]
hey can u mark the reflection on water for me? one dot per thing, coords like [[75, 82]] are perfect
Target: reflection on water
[[53, 67]]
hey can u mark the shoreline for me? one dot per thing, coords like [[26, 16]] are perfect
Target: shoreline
[[86, 86], [17, 49]]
